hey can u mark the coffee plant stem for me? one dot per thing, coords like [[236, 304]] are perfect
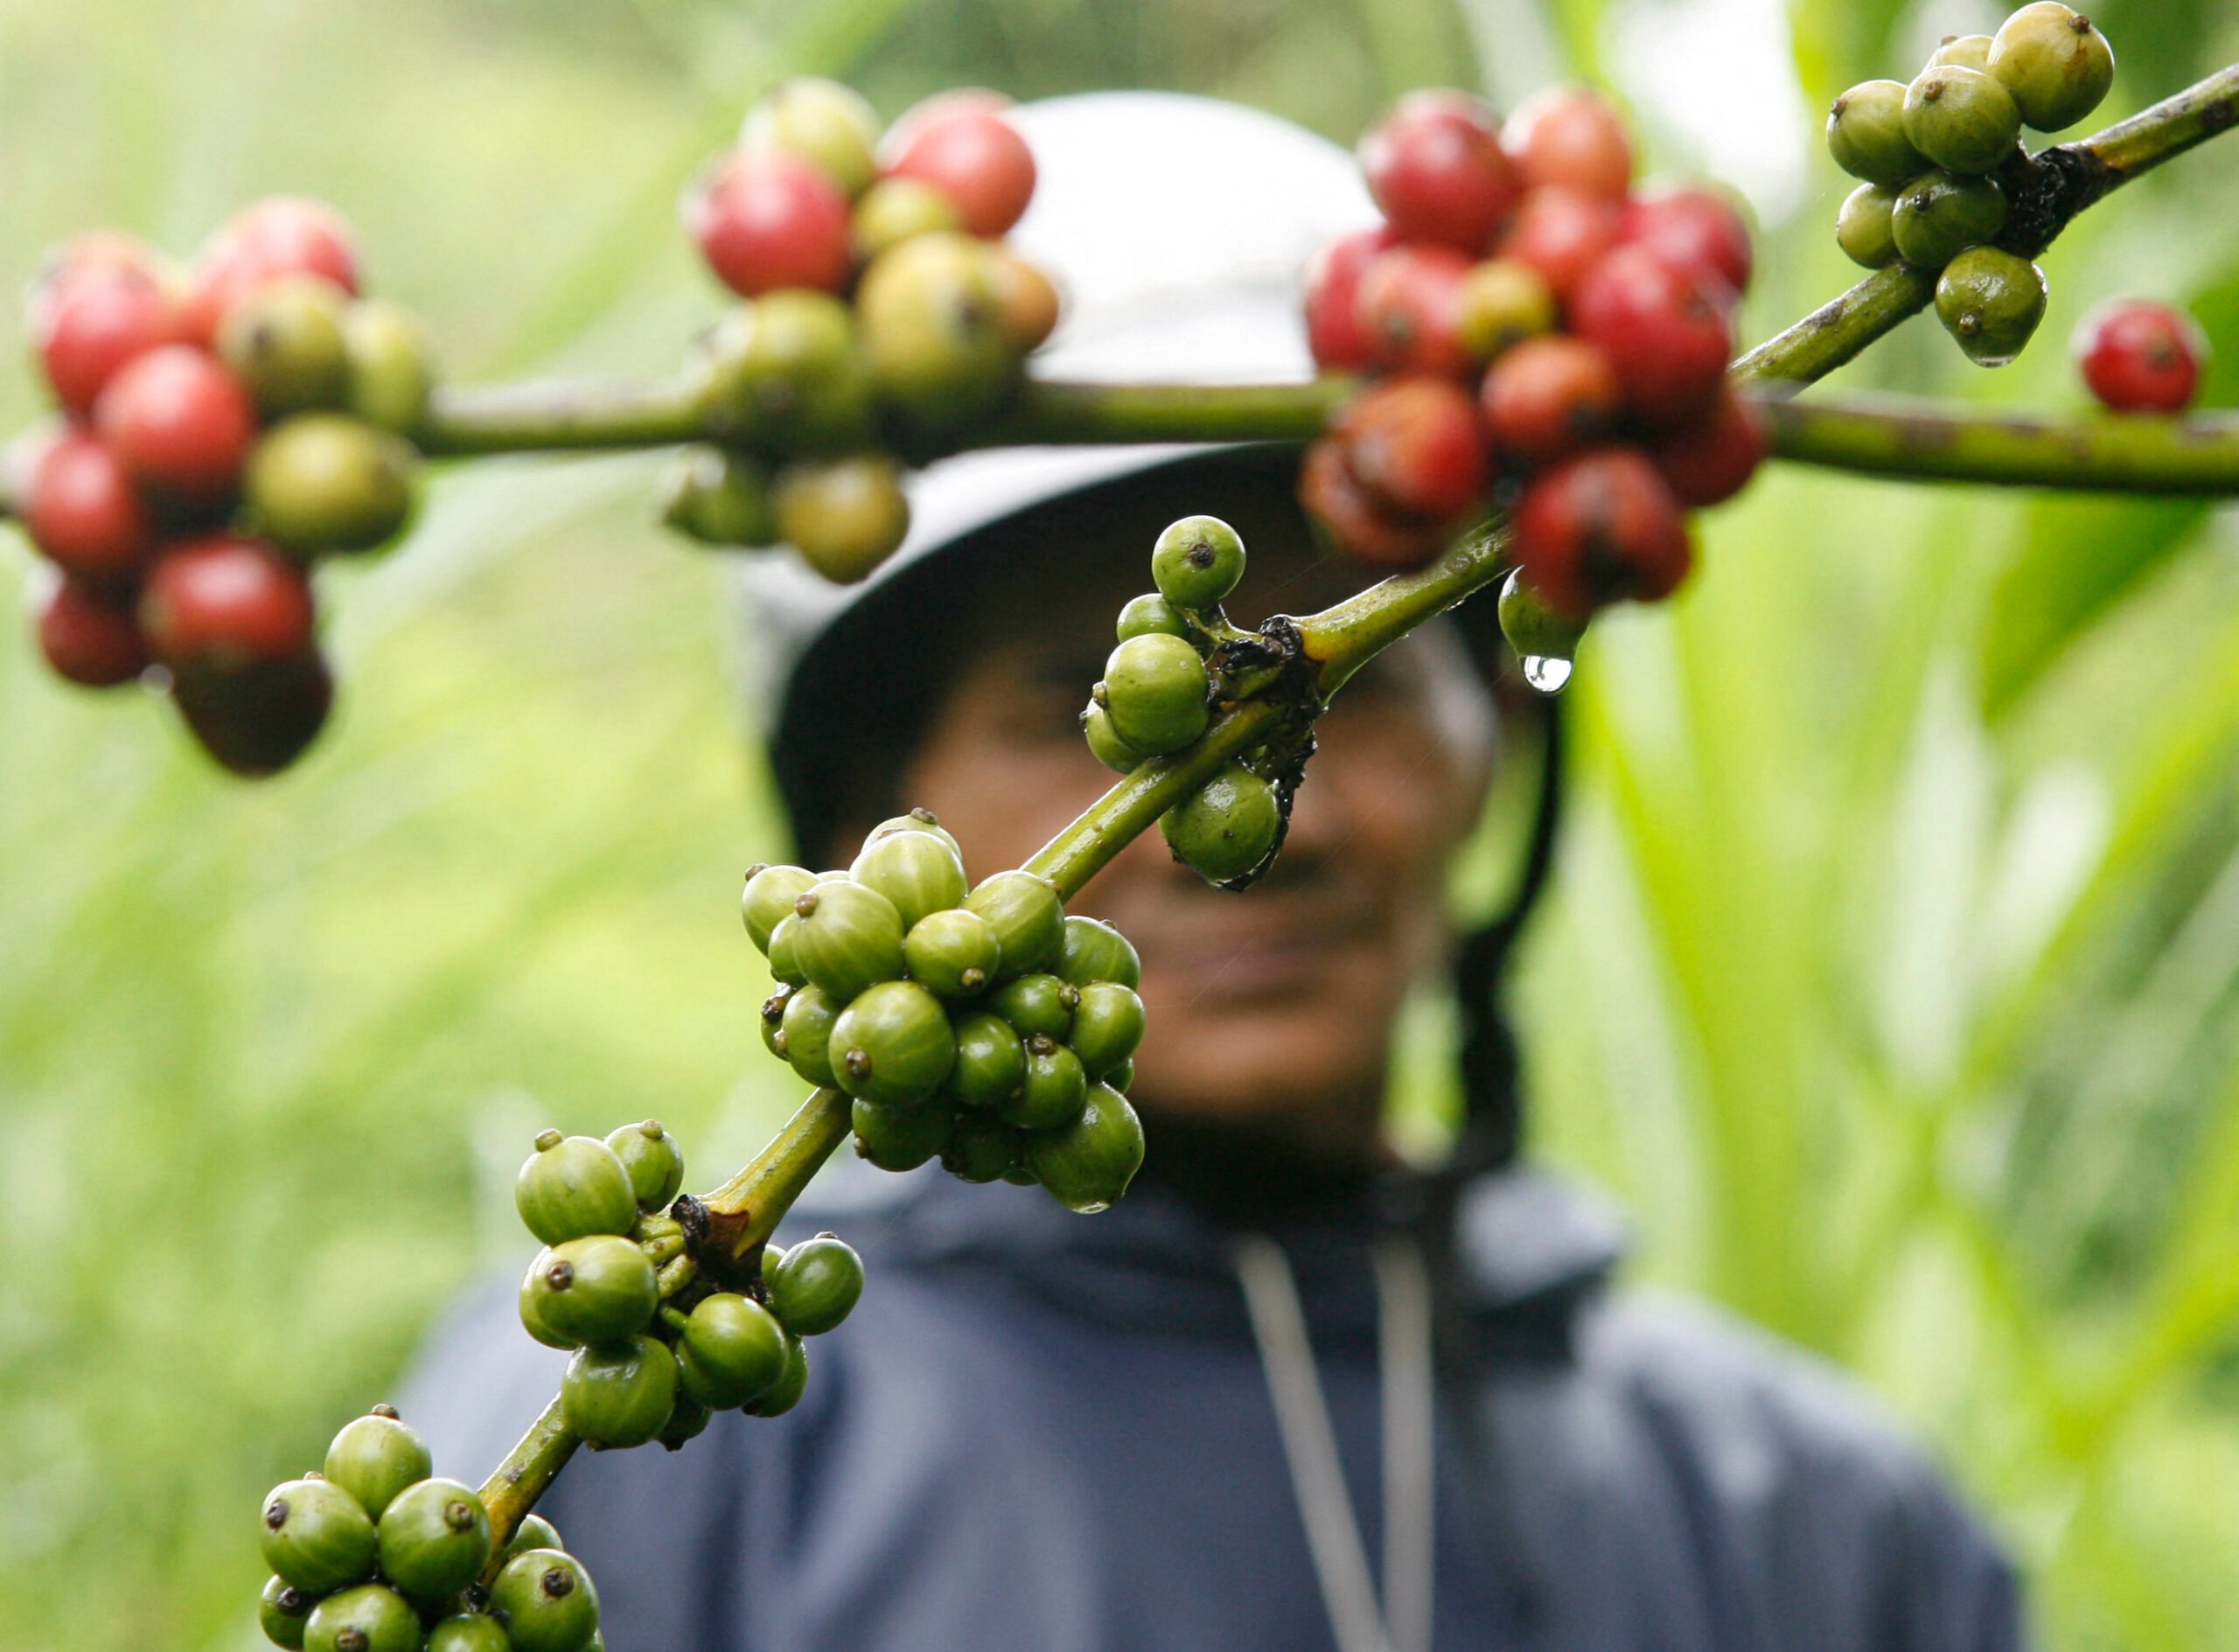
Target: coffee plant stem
[[527, 1474]]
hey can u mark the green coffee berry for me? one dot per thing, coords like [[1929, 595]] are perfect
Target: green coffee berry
[[1088, 1164], [1197, 561], [822, 122], [1104, 742], [596, 1289], [897, 1138], [376, 1457], [1961, 119], [772, 1254], [785, 373], [366, 1618], [1028, 916], [1155, 689], [283, 345], [785, 1393], [1093, 951], [316, 1535], [808, 1016], [325, 482], [619, 1395], [1122, 1077], [784, 959], [1863, 229], [572, 1185], [895, 210], [732, 1349], [1107, 1026], [1052, 1094], [534, 1532], [546, 1601], [1991, 301], [916, 870], [892, 1044], [653, 1161], [916, 820], [953, 954], [1226, 828], [468, 1633], [1151, 614], [687, 1418], [1037, 1003], [434, 1540], [932, 333], [2055, 64], [718, 498], [990, 1061], [1938, 213], [849, 937], [1865, 133], [1503, 301], [844, 516], [390, 374], [1020, 1175], [816, 1285], [980, 1149], [1962, 51], [281, 1611], [768, 899]]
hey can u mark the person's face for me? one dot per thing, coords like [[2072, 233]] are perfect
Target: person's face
[[1277, 1004]]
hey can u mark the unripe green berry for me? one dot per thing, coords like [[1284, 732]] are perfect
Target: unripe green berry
[[990, 1061], [1863, 229], [619, 1395], [718, 498], [434, 1540], [1104, 742], [916, 870], [1122, 1077], [1151, 612], [326, 482], [1037, 1003], [468, 1632], [784, 960], [981, 1149], [281, 1611], [785, 373], [1503, 301], [534, 1532], [785, 1393], [1938, 214], [316, 1535], [366, 1618], [844, 516], [1865, 133], [596, 1289], [1028, 918], [806, 1024], [1107, 1025], [391, 371], [1093, 951], [572, 1185], [1226, 828], [376, 1457], [892, 1044], [1052, 1094], [687, 1418], [1087, 1165], [849, 937], [915, 820], [1962, 51], [732, 1349], [820, 121], [546, 1602], [2053, 62], [1197, 561], [1961, 119], [284, 345], [897, 1138], [654, 1160], [768, 898], [932, 331], [1991, 301], [895, 210], [953, 954], [1154, 690], [816, 1285]]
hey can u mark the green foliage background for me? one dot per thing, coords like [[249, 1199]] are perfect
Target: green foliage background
[[1894, 981]]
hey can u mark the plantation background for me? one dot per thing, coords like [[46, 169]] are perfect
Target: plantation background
[[1893, 980]]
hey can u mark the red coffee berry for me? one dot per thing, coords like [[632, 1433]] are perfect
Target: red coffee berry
[[1568, 137], [2138, 356], [1663, 327], [1691, 226], [222, 602], [1600, 528], [97, 252], [1412, 442], [258, 719], [88, 638], [1372, 533], [90, 324], [976, 157], [1409, 306], [179, 422], [1436, 167], [80, 508], [1707, 460], [1562, 233], [1332, 283], [280, 235], [1548, 397], [769, 220]]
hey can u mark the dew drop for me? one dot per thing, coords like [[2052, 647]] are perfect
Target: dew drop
[[1546, 672]]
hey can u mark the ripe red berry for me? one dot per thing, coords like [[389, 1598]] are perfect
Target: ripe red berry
[[1662, 326], [1691, 226], [1412, 442], [81, 509], [1333, 282], [222, 602], [769, 220], [90, 324], [1568, 137], [2138, 356], [1600, 529], [98, 252], [1436, 167], [1548, 397], [1707, 460], [278, 236], [1562, 233], [257, 720], [1409, 305], [976, 157], [1372, 533], [179, 422], [89, 639]]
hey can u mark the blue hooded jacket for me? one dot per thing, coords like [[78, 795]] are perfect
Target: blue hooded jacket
[[1040, 1431]]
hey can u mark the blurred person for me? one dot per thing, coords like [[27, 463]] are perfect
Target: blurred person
[[1289, 1393]]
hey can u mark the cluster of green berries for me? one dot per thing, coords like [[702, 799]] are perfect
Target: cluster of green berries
[[882, 314], [374, 1554], [657, 1353], [981, 1025], [1929, 154], [222, 428], [1157, 693]]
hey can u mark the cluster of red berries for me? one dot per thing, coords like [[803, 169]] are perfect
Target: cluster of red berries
[[221, 428], [1545, 338], [2137, 356], [883, 314]]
